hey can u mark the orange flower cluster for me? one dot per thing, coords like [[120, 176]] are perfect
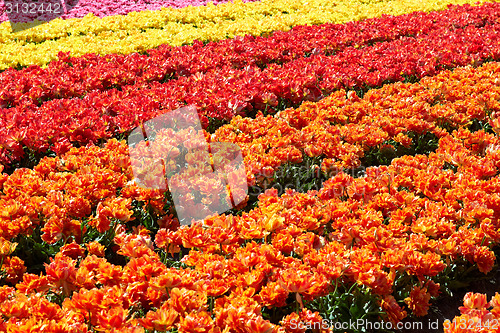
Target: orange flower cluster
[[342, 127], [59, 193], [294, 245], [199, 175], [408, 219], [477, 315]]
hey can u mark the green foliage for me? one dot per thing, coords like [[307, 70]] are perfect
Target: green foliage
[[477, 125], [384, 154], [29, 160], [144, 215], [345, 305], [302, 177], [460, 273], [34, 251], [214, 124]]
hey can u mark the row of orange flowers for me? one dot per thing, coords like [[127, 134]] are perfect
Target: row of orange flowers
[[408, 217], [411, 218]]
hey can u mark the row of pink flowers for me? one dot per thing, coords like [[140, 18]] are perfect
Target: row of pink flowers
[[80, 8], [74, 77], [227, 92]]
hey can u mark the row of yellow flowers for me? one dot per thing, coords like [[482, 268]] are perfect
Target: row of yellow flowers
[[137, 32]]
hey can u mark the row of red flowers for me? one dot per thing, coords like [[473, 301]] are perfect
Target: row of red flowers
[[75, 77], [406, 220], [226, 92]]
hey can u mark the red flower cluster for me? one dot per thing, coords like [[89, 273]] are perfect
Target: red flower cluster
[[226, 91]]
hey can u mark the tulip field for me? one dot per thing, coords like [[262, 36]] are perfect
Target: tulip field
[[369, 136]]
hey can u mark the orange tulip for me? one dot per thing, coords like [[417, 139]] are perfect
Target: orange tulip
[[418, 301]]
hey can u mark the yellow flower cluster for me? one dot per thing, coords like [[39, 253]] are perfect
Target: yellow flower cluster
[[139, 31]]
